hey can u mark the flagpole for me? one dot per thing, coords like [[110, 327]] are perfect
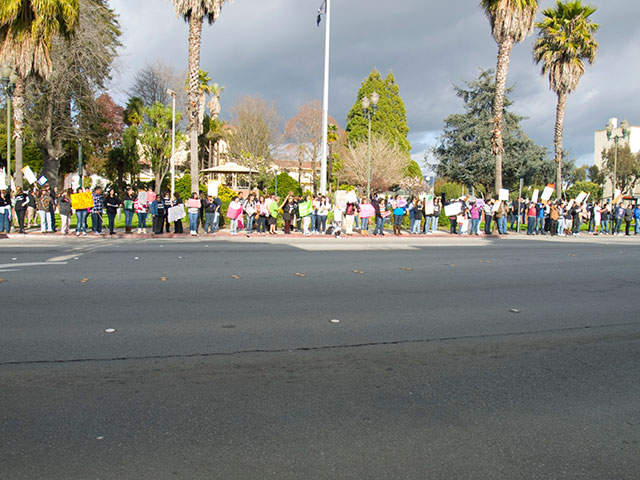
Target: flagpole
[[325, 101]]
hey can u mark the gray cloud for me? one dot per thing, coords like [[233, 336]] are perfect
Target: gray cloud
[[273, 49]]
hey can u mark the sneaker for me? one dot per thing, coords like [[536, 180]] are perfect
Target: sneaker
[[84, 234]]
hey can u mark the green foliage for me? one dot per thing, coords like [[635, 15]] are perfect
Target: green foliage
[[390, 121], [596, 175], [413, 170], [134, 112], [183, 186], [346, 187], [625, 165], [286, 184], [464, 153], [593, 188], [451, 190]]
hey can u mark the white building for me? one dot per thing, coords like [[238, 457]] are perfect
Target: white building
[[600, 143]]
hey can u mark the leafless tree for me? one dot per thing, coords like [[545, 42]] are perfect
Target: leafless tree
[[387, 164]]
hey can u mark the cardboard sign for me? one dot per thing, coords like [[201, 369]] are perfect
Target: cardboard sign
[[305, 208], [234, 213], [341, 197], [534, 197], [581, 197], [81, 201], [42, 180], [28, 174], [617, 196], [547, 192], [402, 203], [151, 196], [367, 210], [352, 197], [3, 180], [142, 198], [176, 213], [453, 209], [193, 203], [429, 207], [212, 188], [496, 206], [503, 195]]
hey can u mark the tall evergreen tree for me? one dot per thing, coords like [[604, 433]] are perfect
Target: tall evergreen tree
[[390, 120], [465, 154]]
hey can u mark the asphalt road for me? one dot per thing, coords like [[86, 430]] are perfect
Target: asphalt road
[[502, 358]]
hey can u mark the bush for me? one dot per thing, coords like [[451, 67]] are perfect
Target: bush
[[451, 190], [286, 184], [183, 186], [593, 188]]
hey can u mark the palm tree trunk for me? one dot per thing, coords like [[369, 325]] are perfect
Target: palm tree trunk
[[195, 35], [18, 125], [497, 146], [557, 139]]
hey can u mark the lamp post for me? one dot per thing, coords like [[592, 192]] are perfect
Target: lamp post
[[173, 140], [8, 80], [616, 138], [369, 109]]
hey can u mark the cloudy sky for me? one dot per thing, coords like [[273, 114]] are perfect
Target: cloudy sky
[[273, 49]]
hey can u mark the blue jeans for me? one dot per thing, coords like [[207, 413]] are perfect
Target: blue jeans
[[434, 224], [531, 225], [604, 226], [128, 218], [193, 222], [81, 217], [322, 223], [5, 225], [142, 220], [540, 225], [502, 225], [208, 222], [250, 223], [314, 222], [637, 230], [379, 226], [475, 226], [364, 224]]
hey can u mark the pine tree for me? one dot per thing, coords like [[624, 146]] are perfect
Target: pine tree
[[390, 121]]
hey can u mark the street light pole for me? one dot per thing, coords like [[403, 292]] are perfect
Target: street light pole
[[173, 140], [8, 80], [369, 109], [325, 96], [616, 138]]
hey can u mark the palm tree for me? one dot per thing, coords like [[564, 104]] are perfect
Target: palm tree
[[27, 28], [565, 39], [194, 12], [511, 21]]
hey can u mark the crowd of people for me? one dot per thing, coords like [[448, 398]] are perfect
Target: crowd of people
[[308, 214], [552, 217]]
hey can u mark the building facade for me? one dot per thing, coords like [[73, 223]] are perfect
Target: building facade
[[601, 143]]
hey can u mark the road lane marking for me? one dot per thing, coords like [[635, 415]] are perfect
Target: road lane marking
[[30, 264]]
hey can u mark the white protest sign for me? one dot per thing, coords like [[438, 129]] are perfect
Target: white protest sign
[[176, 213], [352, 197], [453, 209], [142, 198], [547, 192], [341, 198], [429, 208], [534, 197], [3, 180], [617, 196], [28, 174], [212, 188], [581, 197], [503, 195], [42, 180], [496, 206]]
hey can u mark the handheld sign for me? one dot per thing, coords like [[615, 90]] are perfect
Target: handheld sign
[[547, 192], [534, 197], [176, 213], [28, 174], [367, 210], [212, 188], [352, 197], [453, 209], [81, 201], [305, 209], [503, 195]]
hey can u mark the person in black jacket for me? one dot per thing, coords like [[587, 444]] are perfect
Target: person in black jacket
[[21, 202], [112, 202], [166, 200], [5, 211]]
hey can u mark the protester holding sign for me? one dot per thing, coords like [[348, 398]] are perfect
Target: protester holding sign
[[20, 203], [64, 207], [128, 207], [142, 209], [5, 211]]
